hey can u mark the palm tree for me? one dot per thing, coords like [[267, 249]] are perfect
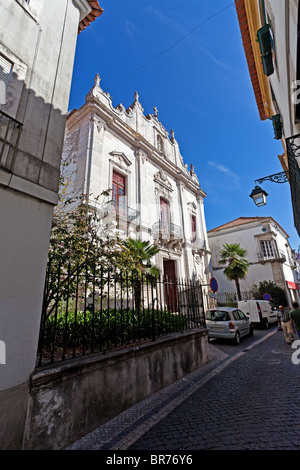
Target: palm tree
[[142, 253], [237, 265]]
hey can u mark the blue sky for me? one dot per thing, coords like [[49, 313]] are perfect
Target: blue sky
[[193, 69]]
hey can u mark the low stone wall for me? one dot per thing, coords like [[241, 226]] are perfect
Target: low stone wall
[[72, 399]]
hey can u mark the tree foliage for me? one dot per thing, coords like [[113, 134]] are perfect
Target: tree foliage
[[278, 296], [237, 266], [82, 250], [142, 253]]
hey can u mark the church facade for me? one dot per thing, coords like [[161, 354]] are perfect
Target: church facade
[[151, 193]]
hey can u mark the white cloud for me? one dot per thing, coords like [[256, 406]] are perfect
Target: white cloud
[[227, 172], [131, 30]]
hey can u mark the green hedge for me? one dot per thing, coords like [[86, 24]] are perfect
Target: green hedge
[[107, 328]]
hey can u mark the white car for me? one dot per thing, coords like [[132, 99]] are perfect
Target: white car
[[228, 323]]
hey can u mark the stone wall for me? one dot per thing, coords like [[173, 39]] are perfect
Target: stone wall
[[71, 399]]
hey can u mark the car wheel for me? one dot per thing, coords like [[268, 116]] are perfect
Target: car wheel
[[251, 331], [237, 338]]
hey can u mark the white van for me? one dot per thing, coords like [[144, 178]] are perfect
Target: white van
[[260, 312]]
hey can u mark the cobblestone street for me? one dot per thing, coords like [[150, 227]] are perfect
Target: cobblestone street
[[253, 404], [245, 399]]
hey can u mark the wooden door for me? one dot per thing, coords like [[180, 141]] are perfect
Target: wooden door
[[170, 285]]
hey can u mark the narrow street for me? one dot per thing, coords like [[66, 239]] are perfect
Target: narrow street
[[253, 404], [246, 398]]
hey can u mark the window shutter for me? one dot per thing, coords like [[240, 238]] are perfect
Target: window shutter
[[164, 215], [118, 186], [5, 71], [193, 228], [119, 193]]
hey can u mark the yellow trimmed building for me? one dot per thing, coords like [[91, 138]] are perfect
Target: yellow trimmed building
[[270, 40]]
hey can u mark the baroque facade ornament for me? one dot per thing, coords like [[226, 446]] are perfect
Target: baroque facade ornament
[[120, 159], [163, 187], [161, 177], [192, 207]]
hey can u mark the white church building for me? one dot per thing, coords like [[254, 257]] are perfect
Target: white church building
[[153, 195]]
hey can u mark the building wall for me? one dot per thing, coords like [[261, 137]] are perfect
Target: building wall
[[279, 268], [39, 40], [75, 398], [283, 18], [279, 92], [100, 138], [245, 236]]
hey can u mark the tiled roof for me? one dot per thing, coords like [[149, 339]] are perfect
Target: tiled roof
[[243, 22], [234, 223], [243, 221], [96, 11]]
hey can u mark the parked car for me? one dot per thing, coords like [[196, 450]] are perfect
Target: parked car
[[260, 312], [228, 323]]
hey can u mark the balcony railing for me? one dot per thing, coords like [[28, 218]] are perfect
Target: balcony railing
[[116, 210], [10, 131], [167, 231], [198, 244], [293, 152], [280, 256]]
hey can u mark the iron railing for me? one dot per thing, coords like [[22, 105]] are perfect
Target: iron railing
[[198, 243], [293, 152], [119, 210], [167, 230], [277, 255], [10, 132], [230, 299], [88, 310]]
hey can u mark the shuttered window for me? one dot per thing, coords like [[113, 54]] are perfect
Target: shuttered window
[[268, 248], [118, 192], [194, 234], [5, 71], [164, 215]]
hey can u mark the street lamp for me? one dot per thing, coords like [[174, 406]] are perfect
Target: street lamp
[[258, 195]]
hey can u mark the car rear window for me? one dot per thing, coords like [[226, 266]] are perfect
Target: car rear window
[[217, 315]]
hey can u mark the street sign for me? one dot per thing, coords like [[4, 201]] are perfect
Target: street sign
[[267, 297], [213, 284]]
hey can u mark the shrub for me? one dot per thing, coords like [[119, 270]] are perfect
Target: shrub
[[278, 296], [107, 328]]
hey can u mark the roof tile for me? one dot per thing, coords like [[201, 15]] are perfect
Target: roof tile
[[242, 221], [95, 13], [246, 39]]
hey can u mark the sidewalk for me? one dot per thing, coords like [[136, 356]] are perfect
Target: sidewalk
[[125, 429]]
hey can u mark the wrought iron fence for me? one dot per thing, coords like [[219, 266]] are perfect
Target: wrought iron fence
[[230, 299], [88, 310]]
